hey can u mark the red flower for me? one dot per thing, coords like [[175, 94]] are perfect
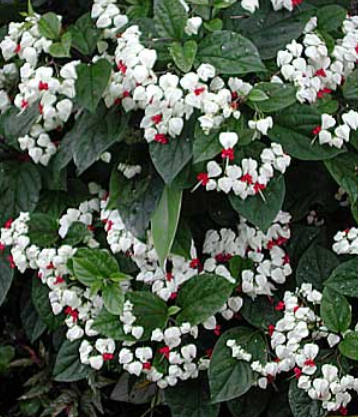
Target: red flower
[[165, 350], [147, 366], [296, 3], [246, 178], [50, 266], [72, 313], [321, 73], [209, 353], [108, 357], [24, 104], [343, 411], [160, 138], [228, 153], [316, 130], [324, 91], [310, 362], [217, 330], [195, 263], [43, 86], [17, 49], [223, 257], [280, 306], [259, 187], [199, 91], [157, 119], [173, 296], [297, 372], [11, 262], [59, 280], [203, 178], [8, 224], [271, 329], [2, 247], [122, 67]]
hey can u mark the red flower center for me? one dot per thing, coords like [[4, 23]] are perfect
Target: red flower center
[[316, 130], [43, 86], [108, 357], [157, 119], [228, 153], [160, 138], [247, 178], [203, 178], [165, 350], [199, 91], [122, 67]]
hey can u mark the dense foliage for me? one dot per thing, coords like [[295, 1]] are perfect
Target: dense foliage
[[179, 199]]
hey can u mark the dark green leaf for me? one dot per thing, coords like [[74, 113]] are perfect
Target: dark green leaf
[[7, 354], [349, 346], [279, 96], [344, 279], [230, 53], [91, 82], [109, 325], [201, 297], [151, 312], [77, 233], [248, 405], [68, 367], [335, 311], [43, 230], [302, 405], [350, 87], [205, 147], [315, 266], [228, 377], [6, 276], [170, 18], [260, 312], [258, 211], [31, 321], [330, 18]]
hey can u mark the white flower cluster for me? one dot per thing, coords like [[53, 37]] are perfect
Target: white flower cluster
[[310, 66], [129, 171], [270, 261], [53, 96], [294, 340], [346, 242], [341, 132], [248, 178], [79, 305], [8, 78], [108, 17], [252, 5]]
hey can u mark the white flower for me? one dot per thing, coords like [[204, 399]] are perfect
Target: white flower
[[228, 139], [250, 5], [351, 119], [193, 25], [206, 71], [262, 125]]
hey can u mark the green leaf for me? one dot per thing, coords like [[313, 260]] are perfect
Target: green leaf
[[315, 266], [90, 137], [302, 405], [248, 405], [91, 82], [62, 49], [276, 97], [205, 147], [136, 199], [15, 123], [256, 94], [68, 367], [260, 312], [182, 242], [201, 297], [269, 30], [91, 265], [330, 18], [165, 221], [6, 276], [40, 299], [350, 86], [50, 26], [344, 279], [20, 189], [43, 230], [228, 377], [109, 325], [349, 346], [30, 319], [293, 130], [85, 35], [151, 312], [191, 399], [171, 158], [258, 211], [335, 311], [7, 354], [170, 18], [183, 55], [230, 53], [113, 298], [77, 233]]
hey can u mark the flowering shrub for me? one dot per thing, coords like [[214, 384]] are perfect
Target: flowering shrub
[[178, 179]]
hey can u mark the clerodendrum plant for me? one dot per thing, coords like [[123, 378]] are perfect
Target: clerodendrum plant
[[169, 180]]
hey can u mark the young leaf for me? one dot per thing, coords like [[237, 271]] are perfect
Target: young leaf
[[91, 82], [201, 297], [183, 55], [349, 346], [85, 35], [62, 49], [335, 311], [50, 26], [91, 265], [113, 298], [260, 211], [165, 221], [228, 377]]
